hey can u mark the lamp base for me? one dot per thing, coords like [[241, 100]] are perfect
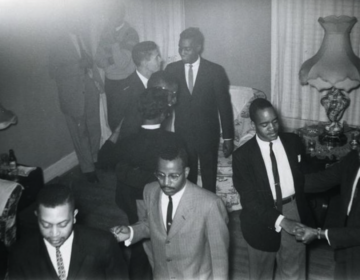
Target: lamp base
[[332, 141]]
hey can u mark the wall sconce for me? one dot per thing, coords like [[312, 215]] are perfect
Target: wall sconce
[[7, 118], [334, 68]]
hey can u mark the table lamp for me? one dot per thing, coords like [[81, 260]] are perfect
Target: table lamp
[[7, 118], [335, 69]]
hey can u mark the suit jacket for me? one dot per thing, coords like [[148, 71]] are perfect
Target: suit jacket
[[128, 105], [95, 255], [345, 236], [197, 114], [197, 244], [70, 78], [259, 212]]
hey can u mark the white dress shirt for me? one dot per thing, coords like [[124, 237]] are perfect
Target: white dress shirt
[[143, 79], [285, 174], [195, 68], [175, 200], [65, 251]]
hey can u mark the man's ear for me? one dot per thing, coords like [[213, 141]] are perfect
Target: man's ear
[[75, 213], [36, 213], [187, 170], [252, 125]]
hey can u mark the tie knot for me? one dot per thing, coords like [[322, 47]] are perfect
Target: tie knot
[[271, 144], [190, 66], [169, 196]]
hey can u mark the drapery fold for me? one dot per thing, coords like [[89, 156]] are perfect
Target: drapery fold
[[297, 36]]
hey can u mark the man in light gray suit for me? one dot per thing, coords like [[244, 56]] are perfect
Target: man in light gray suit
[[187, 225]]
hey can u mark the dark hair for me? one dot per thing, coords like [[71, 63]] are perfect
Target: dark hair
[[153, 102], [258, 104], [171, 150], [54, 195], [161, 77], [194, 34], [142, 51]]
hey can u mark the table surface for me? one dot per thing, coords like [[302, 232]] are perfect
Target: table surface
[[312, 132]]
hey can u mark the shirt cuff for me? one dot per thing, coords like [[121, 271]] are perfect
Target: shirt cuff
[[327, 236], [278, 222], [128, 241]]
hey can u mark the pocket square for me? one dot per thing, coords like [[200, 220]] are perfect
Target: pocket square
[[299, 158]]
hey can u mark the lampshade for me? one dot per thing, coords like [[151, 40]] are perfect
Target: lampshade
[[335, 65], [6, 118]]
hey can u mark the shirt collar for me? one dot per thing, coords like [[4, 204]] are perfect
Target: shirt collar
[[195, 64], [151, 126], [120, 26], [142, 78], [264, 144]]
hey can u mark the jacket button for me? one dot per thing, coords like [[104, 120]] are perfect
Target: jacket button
[[168, 260], [167, 242]]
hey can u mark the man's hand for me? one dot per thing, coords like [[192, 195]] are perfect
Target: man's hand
[[305, 234], [228, 147], [290, 226], [121, 233], [86, 61]]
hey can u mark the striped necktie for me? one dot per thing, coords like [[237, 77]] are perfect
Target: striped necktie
[[60, 264]]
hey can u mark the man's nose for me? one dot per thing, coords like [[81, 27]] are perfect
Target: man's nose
[[271, 126], [54, 231], [167, 181]]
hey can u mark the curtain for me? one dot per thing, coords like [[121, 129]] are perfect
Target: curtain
[[297, 36], [160, 21]]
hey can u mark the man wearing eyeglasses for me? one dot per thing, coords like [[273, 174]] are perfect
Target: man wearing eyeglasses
[[189, 234]]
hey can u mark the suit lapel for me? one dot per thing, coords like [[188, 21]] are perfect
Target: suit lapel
[[157, 211], [77, 256], [258, 163], [45, 260], [186, 203], [201, 76], [350, 178]]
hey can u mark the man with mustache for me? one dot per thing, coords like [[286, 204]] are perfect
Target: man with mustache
[[186, 224]]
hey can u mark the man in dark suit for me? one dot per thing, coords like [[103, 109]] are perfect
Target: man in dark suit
[[79, 85], [186, 224], [147, 60], [267, 174], [203, 95], [62, 251], [344, 237]]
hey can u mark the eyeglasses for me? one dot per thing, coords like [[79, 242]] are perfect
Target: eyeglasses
[[172, 177]]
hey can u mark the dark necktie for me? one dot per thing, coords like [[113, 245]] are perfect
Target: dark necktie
[[191, 78], [276, 179], [169, 215], [60, 264]]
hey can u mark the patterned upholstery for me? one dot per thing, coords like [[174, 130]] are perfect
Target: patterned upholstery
[[241, 98], [8, 218]]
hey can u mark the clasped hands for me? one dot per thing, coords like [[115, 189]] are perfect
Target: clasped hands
[[301, 232], [121, 233]]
